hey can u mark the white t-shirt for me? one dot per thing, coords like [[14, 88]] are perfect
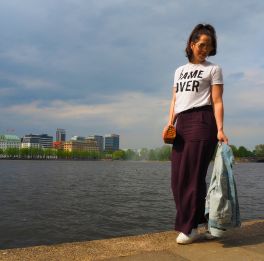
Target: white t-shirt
[[193, 83]]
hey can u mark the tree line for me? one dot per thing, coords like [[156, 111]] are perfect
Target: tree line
[[47, 153], [242, 152], [159, 154], [164, 153], [40, 153]]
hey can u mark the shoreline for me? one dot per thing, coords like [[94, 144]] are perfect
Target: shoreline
[[240, 160]]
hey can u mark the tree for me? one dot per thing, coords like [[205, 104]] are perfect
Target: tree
[[259, 150], [119, 154], [164, 153], [235, 150], [152, 155], [244, 152], [131, 155], [24, 153], [12, 152], [48, 153], [95, 155], [1, 152], [144, 154]]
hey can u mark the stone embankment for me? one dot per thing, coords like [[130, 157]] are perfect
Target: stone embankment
[[242, 244]]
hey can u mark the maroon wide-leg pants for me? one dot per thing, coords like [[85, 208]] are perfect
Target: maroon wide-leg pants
[[192, 152]]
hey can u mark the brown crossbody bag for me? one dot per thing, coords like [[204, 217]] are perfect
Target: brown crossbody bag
[[169, 133]]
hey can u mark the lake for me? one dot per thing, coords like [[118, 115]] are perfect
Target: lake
[[50, 202]]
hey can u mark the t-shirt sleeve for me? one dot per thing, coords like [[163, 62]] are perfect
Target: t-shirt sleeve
[[177, 75], [217, 75]]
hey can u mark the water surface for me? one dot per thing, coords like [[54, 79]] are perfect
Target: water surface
[[48, 202]]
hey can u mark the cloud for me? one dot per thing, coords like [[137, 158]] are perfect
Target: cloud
[[27, 82], [245, 132], [22, 54], [246, 91], [131, 112], [128, 110], [6, 91], [235, 76], [244, 107]]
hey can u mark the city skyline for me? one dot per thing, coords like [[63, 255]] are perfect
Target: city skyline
[[95, 142], [73, 65], [54, 136]]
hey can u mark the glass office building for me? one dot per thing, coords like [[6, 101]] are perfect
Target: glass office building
[[61, 135], [111, 142], [99, 140]]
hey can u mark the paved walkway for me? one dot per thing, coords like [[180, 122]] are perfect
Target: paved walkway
[[243, 244]]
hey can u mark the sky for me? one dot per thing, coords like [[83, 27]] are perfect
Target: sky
[[100, 67]]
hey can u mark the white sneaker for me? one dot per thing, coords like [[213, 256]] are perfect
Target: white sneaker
[[187, 239]]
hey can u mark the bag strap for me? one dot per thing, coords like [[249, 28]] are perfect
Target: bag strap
[[172, 116]]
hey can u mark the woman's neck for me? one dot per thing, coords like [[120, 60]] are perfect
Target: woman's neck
[[197, 62]]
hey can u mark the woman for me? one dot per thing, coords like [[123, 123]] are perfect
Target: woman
[[197, 106]]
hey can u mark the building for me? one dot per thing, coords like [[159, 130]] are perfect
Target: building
[[9, 141], [78, 138], [81, 145], [61, 135], [31, 141], [99, 140], [37, 141], [111, 142], [46, 141], [58, 145]]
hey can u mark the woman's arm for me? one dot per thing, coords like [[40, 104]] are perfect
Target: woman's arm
[[217, 100], [172, 116]]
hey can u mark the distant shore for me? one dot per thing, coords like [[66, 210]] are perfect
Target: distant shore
[[237, 160]]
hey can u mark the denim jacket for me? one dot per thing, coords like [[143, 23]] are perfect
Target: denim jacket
[[221, 207]]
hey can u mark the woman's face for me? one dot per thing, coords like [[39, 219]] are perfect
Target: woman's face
[[201, 48]]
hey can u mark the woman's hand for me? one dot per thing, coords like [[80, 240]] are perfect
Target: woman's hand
[[222, 137]]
